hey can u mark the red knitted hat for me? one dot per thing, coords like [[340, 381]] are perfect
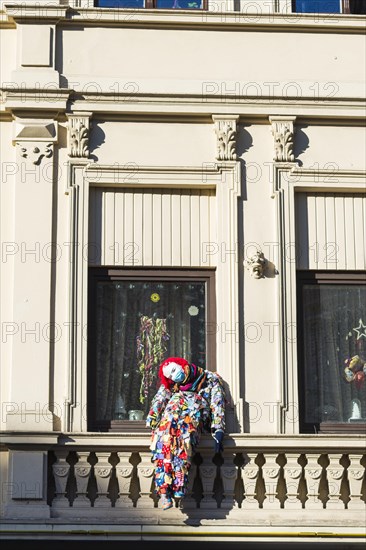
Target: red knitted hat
[[164, 380]]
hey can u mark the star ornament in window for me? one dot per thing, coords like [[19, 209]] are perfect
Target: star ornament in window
[[361, 330]]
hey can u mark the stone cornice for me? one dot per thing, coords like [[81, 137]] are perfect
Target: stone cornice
[[346, 111], [35, 12], [197, 105], [323, 23]]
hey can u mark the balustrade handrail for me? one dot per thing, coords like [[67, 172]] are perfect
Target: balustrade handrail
[[138, 440]]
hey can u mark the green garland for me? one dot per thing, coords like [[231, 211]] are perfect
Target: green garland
[[151, 349]]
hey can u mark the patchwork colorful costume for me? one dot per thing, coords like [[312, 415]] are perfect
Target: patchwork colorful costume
[[179, 413]]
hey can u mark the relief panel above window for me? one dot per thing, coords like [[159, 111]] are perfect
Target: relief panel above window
[[330, 231], [145, 227]]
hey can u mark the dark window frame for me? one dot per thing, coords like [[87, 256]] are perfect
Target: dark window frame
[[345, 7], [318, 277], [107, 273], [151, 5]]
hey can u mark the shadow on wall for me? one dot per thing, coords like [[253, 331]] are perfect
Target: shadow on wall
[[97, 138], [301, 142], [244, 141]]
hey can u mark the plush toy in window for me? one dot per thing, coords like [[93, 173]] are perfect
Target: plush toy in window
[[355, 370], [190, 400]]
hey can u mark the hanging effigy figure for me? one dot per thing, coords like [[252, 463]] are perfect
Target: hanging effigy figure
[[189, 401]]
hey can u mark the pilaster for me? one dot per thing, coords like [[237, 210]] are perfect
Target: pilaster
[[34, 251]]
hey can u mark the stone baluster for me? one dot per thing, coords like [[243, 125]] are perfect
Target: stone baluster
[[271, 472], [145, 471], [207, 474], [313, 474], [189, 500], [124, 471], [292, 473], [229, 474], [356, 473], [82, 474], [61, 469], [102, 471], [334, 476], [250, 477]]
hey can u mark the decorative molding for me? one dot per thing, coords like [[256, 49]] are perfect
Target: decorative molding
[[78, 134], [283, 134], [34, 138], [283, 22], [256, 264], [225, 128], [34, 154], [225, 179], [34, 129], [287, 180]]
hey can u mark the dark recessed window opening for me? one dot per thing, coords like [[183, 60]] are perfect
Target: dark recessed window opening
[[136, 320], [332, 351]]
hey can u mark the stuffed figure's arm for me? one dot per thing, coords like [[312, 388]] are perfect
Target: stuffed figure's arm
[[157, 407], [217, 406]]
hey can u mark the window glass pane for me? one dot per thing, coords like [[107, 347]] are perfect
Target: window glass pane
[[179, 4], [334, 322], [318, 6], [358, 7], [138, 324], [120, 3]]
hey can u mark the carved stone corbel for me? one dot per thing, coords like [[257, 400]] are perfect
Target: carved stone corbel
[[256, 264], [225, 128], [78, 134], [34, 138], [34, 152], [283, 134]]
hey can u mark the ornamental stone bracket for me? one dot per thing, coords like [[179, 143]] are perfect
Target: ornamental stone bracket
[[34, 138], [33, 153], [226, 133], [78, 134], [283, 134]]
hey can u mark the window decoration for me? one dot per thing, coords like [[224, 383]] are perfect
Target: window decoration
[[151, 350]]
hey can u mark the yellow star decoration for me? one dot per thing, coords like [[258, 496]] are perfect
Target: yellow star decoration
[[361, 330], [155, 297]]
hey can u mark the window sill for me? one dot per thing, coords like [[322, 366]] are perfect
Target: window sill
[[344, 428], [120, 426]]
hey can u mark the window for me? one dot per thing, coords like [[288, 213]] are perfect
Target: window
[[331, 333], [154, 4], [136, 319], [329, 6]]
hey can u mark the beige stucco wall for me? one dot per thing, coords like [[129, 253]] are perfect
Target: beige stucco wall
[[225, 63], [228, 61]]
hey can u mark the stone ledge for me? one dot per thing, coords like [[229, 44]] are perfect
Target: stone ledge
[[140, 441]]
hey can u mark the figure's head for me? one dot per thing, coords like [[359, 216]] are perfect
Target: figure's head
[[172, 371]]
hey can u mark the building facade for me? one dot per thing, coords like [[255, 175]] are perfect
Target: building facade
[[183, 179]]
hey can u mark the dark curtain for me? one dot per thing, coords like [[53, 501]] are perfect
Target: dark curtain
[[120, 307]]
